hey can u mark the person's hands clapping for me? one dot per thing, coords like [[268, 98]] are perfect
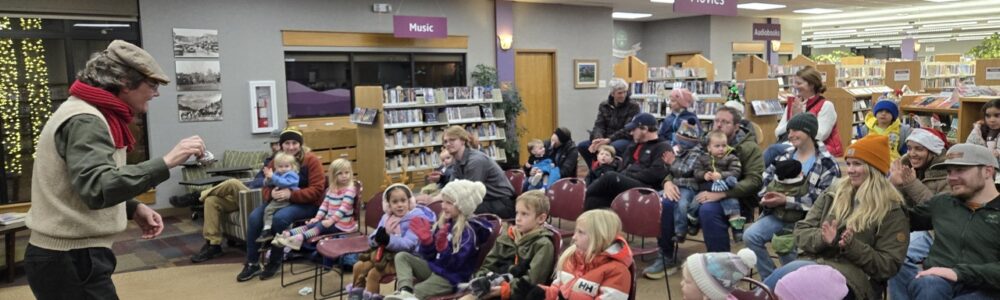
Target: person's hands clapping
[[829, 231], [191, 146]]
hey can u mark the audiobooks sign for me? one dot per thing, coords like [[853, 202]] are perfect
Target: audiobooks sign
[[706, 7], [766, 32], [419, 27]]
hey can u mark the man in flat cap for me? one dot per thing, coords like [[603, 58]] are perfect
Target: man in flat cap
[[82, 192]]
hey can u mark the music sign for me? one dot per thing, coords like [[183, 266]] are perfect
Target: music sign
[[419, 27]]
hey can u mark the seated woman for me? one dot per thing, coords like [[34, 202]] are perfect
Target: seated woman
[[858, 226]]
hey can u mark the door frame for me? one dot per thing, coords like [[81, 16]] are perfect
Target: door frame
[[555, 78]]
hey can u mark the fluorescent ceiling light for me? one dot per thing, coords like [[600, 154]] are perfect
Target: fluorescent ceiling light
[[981, 33], [662, 1], [949, 24], [897, 28], [835, 32], [878, 33], [759, 6], [935, 40], [95, 25], [970, 38], [940, 1], [817, 11], [629, 16]]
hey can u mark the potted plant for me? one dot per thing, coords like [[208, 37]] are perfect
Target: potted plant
[[987, 49], [512, 106]]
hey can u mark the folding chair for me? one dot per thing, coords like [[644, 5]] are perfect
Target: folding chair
[[762, 292], [435, 207], [517, 178], [483, 251], [566, 201], [639, 210]]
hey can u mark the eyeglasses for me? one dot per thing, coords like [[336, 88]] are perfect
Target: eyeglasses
[[155, 86]]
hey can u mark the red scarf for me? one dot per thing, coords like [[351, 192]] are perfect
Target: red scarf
[[114, 110]]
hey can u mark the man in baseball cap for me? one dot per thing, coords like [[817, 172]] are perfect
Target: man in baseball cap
[[965, 258]]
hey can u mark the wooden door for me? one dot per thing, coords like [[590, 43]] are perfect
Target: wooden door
[[535, 77]]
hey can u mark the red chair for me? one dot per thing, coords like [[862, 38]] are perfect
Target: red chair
[[640, 210], [483, 251], [435, 207], [762, 292], [566, 201], [517, 178], [316, 239]]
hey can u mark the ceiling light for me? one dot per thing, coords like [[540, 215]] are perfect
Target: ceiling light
[[835, 32], [970, 38], [94, 25], [662, 1], [629, 16], [827, 46], [940, 1], [759, 6], [936, 40], [981, 33], [949, 24], [878, 33], [929, 30], [817, 11], [887, 28]]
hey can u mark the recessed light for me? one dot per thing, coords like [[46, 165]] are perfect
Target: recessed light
[[662, 1], [759, 6], [817, 11], [940, 1], [629, 16]]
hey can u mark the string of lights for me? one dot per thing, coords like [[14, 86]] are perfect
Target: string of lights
[[9, 104], [36, 79]]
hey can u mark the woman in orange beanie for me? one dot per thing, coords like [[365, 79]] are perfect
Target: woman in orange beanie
[[858, 226]]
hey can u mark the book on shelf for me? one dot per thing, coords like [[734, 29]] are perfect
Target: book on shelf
[[947, 69], [768, 107], [861, 105], [704, 108], [675, 73]]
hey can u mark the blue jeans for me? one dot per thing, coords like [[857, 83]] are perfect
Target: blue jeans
[[933, 287], [773, 152], [771, 281], [680, 214], [282, 219], [584, 149], [758, 235], [730, 206], [666, 239], [715, 226], [920, 246]]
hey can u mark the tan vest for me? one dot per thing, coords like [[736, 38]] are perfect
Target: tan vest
[[58, 219]]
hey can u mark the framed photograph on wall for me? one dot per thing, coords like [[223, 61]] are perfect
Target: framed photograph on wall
[[263, 116], [585, 73]]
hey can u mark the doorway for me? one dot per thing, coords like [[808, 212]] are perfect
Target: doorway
[[535, 77]]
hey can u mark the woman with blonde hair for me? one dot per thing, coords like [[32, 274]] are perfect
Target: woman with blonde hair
[[858, 226], [598, 262]]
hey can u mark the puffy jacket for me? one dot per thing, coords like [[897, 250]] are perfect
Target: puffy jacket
[[407, 240], [872, 255], [649, 169], [457, 266], [930, 183], [509, 250], [312, 188], [606, 276], [752, 158], [682, 170], [966, 240], [565, 157], [287, 180], [598, 170], [611, 119], [673, 121], [897, 133]]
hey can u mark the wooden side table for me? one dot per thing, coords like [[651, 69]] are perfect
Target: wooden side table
[[9, 232]]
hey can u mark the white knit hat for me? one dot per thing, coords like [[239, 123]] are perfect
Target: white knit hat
[[465, 195], [717, 273], [409, 194]]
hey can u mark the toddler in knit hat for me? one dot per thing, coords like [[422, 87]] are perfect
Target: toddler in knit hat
[[715, 275], [812, 282], [789, 179]]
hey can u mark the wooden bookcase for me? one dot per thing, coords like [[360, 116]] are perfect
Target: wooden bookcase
[[762, 89], [852, 60], [949, 57], [939, 75], [843, 103], [699, 61], [329, 138], [751, 67], [829, 73], [970, 110], [913, 82], [981, 67], [801, 60], [373, 168], [632, 69]]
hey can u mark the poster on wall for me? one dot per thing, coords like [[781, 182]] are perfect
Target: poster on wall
[[199, 107], [585, 73], [198, 75], [196, 42], [263, 117]]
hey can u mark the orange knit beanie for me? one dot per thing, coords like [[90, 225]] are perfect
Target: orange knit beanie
[[873, 149]]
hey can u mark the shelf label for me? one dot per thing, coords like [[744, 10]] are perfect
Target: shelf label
[[992, 73], [708, 7], [901, 75], [419, 27], [766, 32]]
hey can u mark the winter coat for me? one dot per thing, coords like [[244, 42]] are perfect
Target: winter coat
[[287, 180], [599, 169], [897, 133], [826, 114], [508, 251], [611, 119], [407, 240], [649, 168], [532, 161], [674, 121], [871, 256], [966, 240], [728, 166], [930, 182], [565, 157], [606, 276], [682, 170], [458, 266], [312, 188], [752, 158], [548, 168], [820, 177]]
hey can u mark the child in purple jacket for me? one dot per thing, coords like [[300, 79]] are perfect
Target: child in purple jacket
[[394, 235], [448, 249]]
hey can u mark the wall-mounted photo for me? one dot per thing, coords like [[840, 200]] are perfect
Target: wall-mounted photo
[[198, 75], [585, 73], [196, 42], [199, 107]]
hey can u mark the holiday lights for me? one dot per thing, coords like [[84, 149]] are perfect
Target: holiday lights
[[36, 80], [9, 104]]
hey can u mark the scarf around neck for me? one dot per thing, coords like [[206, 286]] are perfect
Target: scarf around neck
[[115, 111]]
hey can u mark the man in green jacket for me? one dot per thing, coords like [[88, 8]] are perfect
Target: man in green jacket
[[82, 191], [965, 258]]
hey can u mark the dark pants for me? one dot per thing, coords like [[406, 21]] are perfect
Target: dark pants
[[503, 207], [584, 149], [75, 274], [602, 191], [281, 220], [666, 240], [714, 226]]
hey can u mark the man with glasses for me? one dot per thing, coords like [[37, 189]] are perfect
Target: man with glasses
[[82, 191]]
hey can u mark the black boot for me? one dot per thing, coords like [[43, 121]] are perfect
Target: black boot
[[208, 251], [273, 263]]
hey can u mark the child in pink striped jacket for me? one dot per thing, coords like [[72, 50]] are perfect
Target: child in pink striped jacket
[[336, 214]]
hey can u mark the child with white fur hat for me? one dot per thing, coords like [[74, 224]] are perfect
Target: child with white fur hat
[[446, 250], [715, 275]]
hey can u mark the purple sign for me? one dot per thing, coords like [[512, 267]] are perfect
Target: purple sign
[[419, 27], [766, 32], [706, 7]]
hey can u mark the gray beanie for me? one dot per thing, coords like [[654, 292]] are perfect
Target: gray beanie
[[805, 122], [465, 195]]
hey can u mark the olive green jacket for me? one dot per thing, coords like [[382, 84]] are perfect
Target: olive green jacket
[[930, 183], [535, 245]]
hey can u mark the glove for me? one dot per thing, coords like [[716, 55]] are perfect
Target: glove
[[381, 237], [422, 228], [480, 286], [441, 237], [521, 268], [528, 291]]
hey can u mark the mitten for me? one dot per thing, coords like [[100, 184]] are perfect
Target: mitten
[[381, 237], [441, 237], [528, 291], [480, 286], [521, 268], [422, 228]]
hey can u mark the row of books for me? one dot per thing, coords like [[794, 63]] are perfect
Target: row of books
[[433, 136], [412, 160], [780, 70], [861, 105], [364, 115], [947, 69], [860, 71], [402, 96], [871, 81], [944, 82], [405, 116], [700, 87], [468, 113], [676, 73], [858, 117], [936, 101], [975, 91], [705, 108], [657, 107]]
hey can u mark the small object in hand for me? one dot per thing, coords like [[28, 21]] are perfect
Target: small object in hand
[[305, 291], [381, 237], [521, 268], [206, 158]]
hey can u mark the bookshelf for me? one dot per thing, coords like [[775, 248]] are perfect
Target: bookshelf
[[751, 67], [970, 110], [403, 142], [784, 73], [829, 73], [986, 67], [844, 101], [758, 90], [937, 76], [852, 60], [632, 69], [924, 110], [900, 73], [949, 57], [860, 75], [699, 61]]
